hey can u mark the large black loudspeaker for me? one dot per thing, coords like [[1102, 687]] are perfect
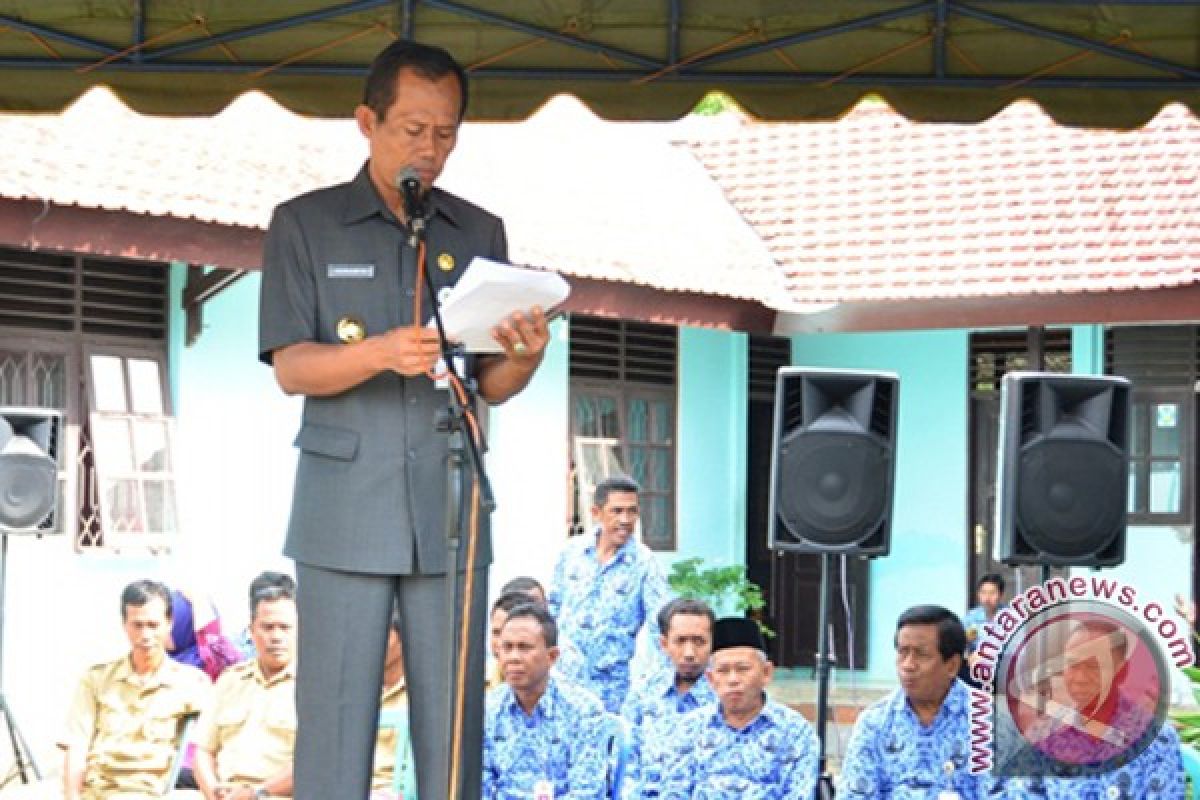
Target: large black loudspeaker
[[30, 442], [833, 461], [1063, 470]]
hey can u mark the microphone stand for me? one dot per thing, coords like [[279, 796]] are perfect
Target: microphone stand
[[464, 459]]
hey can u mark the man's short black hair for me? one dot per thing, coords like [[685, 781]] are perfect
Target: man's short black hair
[[617, 483], [141, 592], [268, 586], [952, 638], [523, 583], [428, 61], [685, 605], [994, 579], [507, 601], [539, 614]]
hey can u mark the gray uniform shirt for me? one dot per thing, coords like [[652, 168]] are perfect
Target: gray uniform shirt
[[371, 478]]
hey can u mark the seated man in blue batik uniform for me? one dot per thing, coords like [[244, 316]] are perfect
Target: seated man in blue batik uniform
[[542, 736], [654, 708], [746, 746], [916, 742], [606, 586], [1080, 749]]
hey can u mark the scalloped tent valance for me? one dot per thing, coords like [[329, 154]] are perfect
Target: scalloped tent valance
[[1110, 65]]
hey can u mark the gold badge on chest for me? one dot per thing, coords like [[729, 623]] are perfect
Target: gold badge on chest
[[445, 262], [350, 330]]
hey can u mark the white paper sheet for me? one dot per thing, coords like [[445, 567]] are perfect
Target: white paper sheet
[[487, 293]]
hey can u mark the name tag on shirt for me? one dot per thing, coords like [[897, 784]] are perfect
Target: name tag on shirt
[[350, 270]]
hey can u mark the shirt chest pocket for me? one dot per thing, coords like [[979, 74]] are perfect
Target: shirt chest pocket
[[356, 299]]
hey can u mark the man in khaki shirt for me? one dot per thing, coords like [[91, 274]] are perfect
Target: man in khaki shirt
[[123, 727], [395, 698], [245, 742]]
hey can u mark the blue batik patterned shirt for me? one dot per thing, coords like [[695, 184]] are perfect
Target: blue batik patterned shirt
[[1156, 774], [601, 608], [652, 711], [564, 741], [892, 756], [772, 758]]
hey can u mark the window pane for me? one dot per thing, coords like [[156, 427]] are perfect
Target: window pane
[[113, 444], [150, 446], [662, 470], [12, 379], [1134, 503], [596, 416], [145, 386], [1165, 433], [160, 506], [664, 427], [638, 411], [48, 375], [121, 506], [1137, 436], [637, 464], [108, 383], [655, 522], [1165, 481]]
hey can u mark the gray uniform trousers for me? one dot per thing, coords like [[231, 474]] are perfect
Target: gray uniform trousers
[[344, 619]]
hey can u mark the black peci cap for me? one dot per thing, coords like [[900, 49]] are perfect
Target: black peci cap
[[737, 632]]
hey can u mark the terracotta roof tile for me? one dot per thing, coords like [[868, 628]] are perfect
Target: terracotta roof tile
[[583, 196], [875, 207]]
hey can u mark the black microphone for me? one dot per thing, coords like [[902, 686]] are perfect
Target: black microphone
[[409, 184]]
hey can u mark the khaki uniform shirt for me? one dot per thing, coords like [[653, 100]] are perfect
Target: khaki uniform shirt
[[251, 727], [394, 699], [128, 724]]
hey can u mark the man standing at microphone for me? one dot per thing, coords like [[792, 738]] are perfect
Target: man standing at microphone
[[339, 292]]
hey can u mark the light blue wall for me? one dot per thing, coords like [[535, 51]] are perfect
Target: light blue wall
[[928, 560], [236, 460], [528, 468], [711, 454]]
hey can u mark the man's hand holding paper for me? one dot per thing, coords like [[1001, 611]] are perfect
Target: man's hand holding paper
[[493, 305]]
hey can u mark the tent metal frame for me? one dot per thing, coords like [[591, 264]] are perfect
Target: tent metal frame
[[140, 56]]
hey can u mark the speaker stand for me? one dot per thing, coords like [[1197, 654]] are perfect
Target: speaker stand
[[824, 660], [22, 756]]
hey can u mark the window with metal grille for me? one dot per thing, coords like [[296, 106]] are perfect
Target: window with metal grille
[[70, 323], [996, 353], [1163, 364], [623, 417]]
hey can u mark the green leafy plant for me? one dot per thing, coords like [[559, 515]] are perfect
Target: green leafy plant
[[725, 589]]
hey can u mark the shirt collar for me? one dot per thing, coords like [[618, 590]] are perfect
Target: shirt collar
[[163, 676], [769, 713], [255, 672], [363, 201], [623, 553], [546, 704], [663, 683], [955, 702]]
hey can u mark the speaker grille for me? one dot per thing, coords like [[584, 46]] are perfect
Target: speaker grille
[[832, 493], [1071, 496]]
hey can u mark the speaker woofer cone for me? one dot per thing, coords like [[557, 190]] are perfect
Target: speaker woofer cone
[[837, 492], [1071, 496]]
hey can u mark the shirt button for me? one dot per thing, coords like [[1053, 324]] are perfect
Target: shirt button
[[409, 292], [412, 455], [412, 401]]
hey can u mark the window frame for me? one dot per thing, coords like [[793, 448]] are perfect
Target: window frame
[[1148, 397], [109, 538], [623, 392]]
